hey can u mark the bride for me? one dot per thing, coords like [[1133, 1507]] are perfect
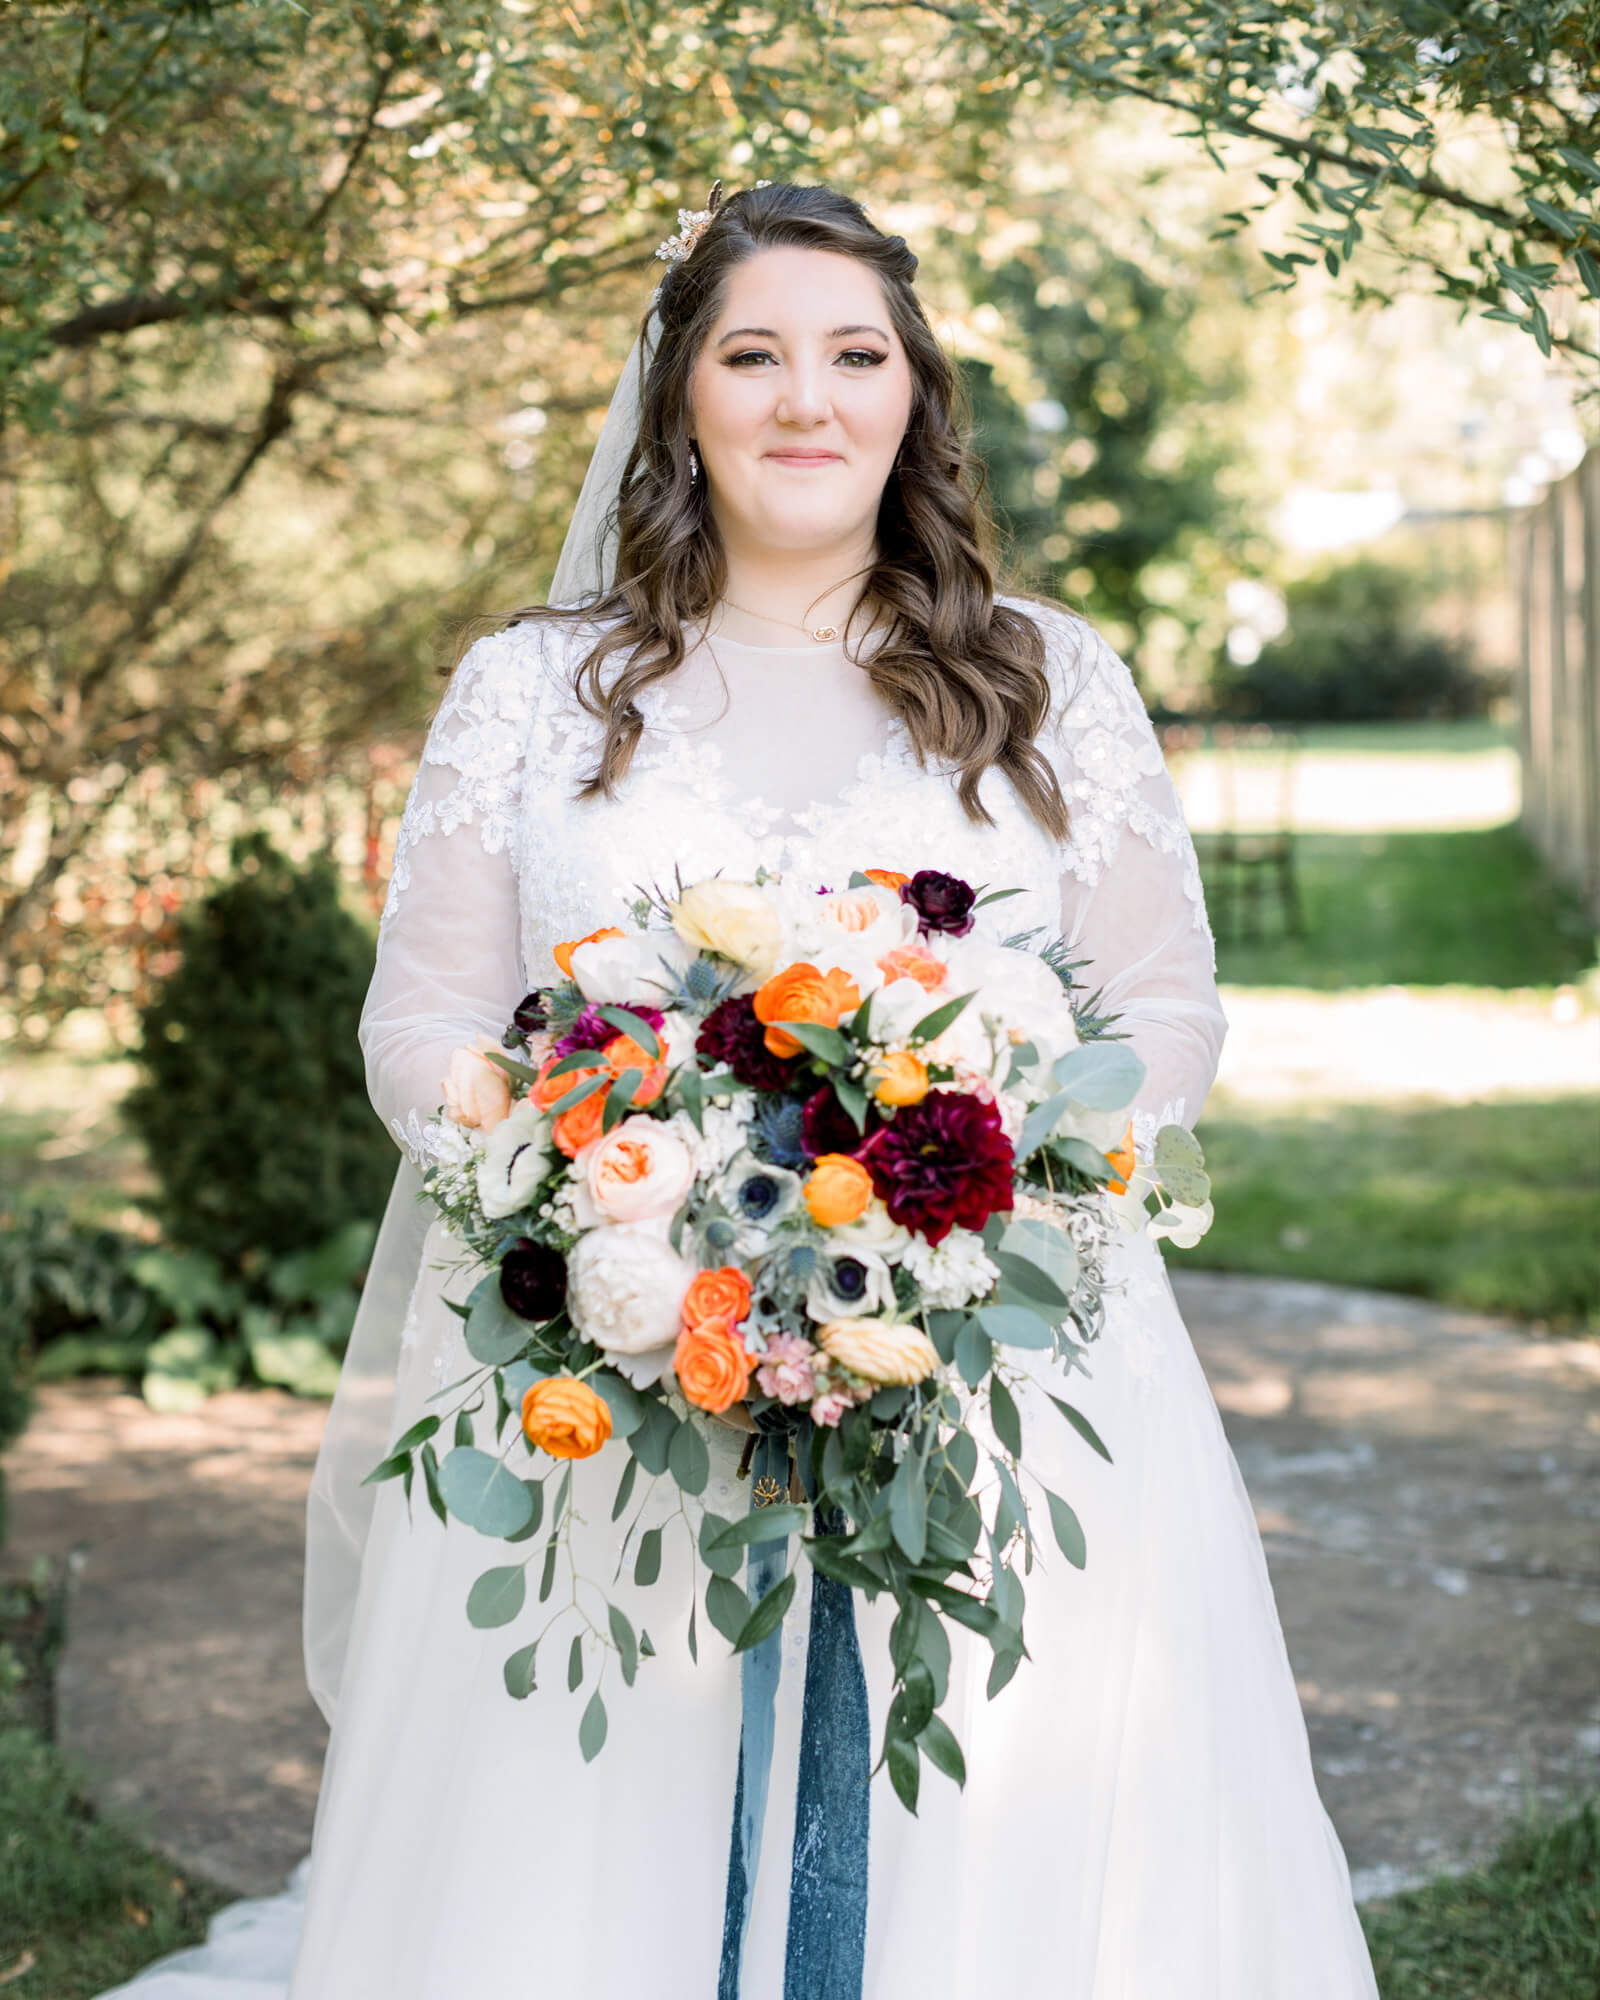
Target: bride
[[774, 641]]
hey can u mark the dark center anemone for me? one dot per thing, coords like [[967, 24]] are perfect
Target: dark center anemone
[[758, 1196], [848, 1278]]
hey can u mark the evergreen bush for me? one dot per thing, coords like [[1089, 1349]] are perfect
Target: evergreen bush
[[252, 1104], [1355, 649]]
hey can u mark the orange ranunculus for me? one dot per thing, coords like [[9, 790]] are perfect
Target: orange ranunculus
[[623, 1052], [720, 1294], [803, 993], [1122, 1162], [564, 1417], [886, 878], [548, 1089], [574, 1129], [901, 1078], [915, 961], [562, 954], [712, 1366], [837, 1190]]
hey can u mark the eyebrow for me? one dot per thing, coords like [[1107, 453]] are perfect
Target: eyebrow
[[771, 333]]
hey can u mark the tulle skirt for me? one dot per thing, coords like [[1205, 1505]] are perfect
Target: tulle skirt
[[1140, 1819]]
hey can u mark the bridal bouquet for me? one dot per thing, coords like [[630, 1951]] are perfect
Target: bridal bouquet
[[834, 1154]]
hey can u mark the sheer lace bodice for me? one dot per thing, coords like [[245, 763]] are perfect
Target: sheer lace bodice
[[785, 757]]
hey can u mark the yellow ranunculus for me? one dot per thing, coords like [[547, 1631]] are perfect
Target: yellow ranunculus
[[732, 919], [880, 1351], [565, 1417], [901, 1078], [837, 1190]]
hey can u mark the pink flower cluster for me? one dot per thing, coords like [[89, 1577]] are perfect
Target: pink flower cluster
[[786, 1372]]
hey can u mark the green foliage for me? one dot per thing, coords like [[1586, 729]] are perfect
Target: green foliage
[[1104, 485], [1491, 1206], [253, 1104], [1355, 650], [1525, 1927], [1474, 908]]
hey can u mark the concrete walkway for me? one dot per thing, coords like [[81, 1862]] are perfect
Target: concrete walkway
[[1427, 1485]]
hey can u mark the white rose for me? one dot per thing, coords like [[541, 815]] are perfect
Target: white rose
[[625, 1289], [897, 1007], [516, 1157], [850, 928], [619, 969], [639, 1169]]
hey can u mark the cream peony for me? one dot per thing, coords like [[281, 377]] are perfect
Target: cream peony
[[477, 1093], [616, 970], [625, 1291], [639, 1169], [516, 1157], [735, 920], [880, 1351]]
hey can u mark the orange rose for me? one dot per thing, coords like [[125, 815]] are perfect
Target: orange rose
[[712, 1367], [901, 1078], [802, 993], [837, 1190], [565, 1417], [1122, 1162], [720, 1294], [548, 1089], [562, 953], [886, 878], [623, 1052], [914, 961], [574, 1129]]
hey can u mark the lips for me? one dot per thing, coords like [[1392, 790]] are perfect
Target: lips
[[805, 457]]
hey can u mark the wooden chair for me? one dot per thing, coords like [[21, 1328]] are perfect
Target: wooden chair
[[1252, 855]]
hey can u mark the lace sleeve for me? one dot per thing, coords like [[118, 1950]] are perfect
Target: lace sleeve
[[1131, 900], [449, 963]]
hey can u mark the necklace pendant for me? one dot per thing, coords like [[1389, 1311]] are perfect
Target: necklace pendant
[[825, 632]]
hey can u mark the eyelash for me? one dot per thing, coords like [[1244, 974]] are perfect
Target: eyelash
[[871, 355]]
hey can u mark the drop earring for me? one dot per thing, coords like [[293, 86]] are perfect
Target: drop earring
[[694, 462]]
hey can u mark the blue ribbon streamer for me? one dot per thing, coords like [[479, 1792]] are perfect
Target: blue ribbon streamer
[[825, 1955]]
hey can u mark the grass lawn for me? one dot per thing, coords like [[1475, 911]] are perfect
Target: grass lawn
[[1493, 1206], [1526, 1927], [1420, 909]]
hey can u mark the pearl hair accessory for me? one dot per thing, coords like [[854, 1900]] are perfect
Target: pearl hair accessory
[[692, 226]]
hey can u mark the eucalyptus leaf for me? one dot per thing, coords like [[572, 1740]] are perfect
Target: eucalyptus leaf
[[905, 1770], [827, 1044], [482, 1492], [942, 1750], [1003, 1412], [761, 1524], [647, 1563], [727, 1607], [518, 1671], [974, 1353], [493, 1332], [592, 1729], [688, 1460], [1101, 1076], [768, 1614], [575, 1663], [1081, 1424], [692, 1094], [1068, 1530], [1015, 1326], [630, 1473], [634, 1025], [908, 1507], [626, 1644], [931, 1026], [622, 1399], [497, 1596]]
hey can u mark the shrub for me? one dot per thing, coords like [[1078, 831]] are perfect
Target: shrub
[[253, 1104], [1355, 650]]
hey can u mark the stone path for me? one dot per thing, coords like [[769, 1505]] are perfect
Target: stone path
[[1427, 1485]]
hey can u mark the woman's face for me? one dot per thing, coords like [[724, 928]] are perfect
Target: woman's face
[[798, 401]]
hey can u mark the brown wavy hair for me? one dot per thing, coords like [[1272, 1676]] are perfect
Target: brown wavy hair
[[966, 673]]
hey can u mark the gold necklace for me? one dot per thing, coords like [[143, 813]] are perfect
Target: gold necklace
[[821, 633]]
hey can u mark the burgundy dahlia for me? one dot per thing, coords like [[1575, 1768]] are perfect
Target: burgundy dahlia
[[731, 1034], [533, 1279], [942, 902], [826, 1127], [591, 1031], [944, 1161]]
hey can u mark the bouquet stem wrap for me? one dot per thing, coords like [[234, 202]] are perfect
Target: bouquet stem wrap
[[826, 1954]]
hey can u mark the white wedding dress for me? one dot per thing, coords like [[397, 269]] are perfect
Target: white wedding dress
[[1141, 1819]]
